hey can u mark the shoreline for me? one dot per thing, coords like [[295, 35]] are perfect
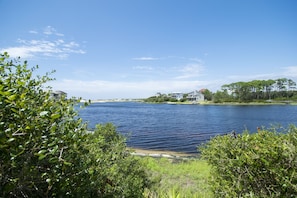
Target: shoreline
[[198, 103], [160, 153]]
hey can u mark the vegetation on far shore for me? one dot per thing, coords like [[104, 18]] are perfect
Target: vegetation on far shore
[[278, 91]]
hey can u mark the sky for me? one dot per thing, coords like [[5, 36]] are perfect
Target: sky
[[107, 49]]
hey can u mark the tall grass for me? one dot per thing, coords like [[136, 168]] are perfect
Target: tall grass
[[178, 178]]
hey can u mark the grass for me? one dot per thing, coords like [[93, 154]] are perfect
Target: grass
[[178, 178]]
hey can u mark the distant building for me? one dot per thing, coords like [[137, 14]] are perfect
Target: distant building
[[177, 95], [58, 94], [195, 96]]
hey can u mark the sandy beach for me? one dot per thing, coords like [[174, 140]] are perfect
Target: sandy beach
[[161, 153]]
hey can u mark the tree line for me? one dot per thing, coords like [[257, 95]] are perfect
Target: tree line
[[281, 89]]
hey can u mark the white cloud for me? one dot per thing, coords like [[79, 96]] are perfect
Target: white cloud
[[50, 30], [249, 77], [71, 44], [146, 68], [145, 58], [44, 47], [191, 71], [33, 32], [290, 71], [198, 60]]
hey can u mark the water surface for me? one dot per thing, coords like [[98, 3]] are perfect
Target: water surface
[[183, 127]]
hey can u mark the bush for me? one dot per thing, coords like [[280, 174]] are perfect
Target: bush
[[253, 165], [46, 150], [120, 174], [173, 100]]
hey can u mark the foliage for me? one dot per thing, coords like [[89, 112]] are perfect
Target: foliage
[[121, 174], [263, 164], [160, 98], [282, 89], [177, 178], [222, 96], [207, 94], [279, 89], [45, 149]]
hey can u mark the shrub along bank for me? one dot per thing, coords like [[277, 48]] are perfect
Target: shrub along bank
[[253, 165], [46, 150]]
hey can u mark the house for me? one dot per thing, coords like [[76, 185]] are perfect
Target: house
[[195, 96], [58, 94], [176, 95]]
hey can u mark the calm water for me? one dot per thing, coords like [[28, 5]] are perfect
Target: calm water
[[183, 127]]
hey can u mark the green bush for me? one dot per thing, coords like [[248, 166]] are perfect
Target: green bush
[[173, 100], [263, 164], [46, 150], [121, 174]]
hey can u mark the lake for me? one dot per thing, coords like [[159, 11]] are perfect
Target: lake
[[182, 128]]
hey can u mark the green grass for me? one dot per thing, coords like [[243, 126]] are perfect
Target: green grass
[[178, 178]]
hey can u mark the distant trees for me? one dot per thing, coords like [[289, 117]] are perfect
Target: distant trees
[[207, 94], [178, 97], [222, 96], [160, 98], [257, 90], [252, 91]]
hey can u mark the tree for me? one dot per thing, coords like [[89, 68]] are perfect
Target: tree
[[281, 84], [291, 84], [207, 94], [221, 96], [261, 89], [268, 86], [46, 150]]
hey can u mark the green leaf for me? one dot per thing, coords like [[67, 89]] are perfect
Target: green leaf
[[4, 93], [44, 174], [23, 95], [21, 83], [67, 163], [55, 116], [41, 156], [14, 110], [12, 97], [41, 152]]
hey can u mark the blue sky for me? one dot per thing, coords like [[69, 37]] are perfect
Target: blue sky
[[136, 48]]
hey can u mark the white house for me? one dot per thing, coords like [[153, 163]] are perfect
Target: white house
[[195, 96], [176, 95]]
